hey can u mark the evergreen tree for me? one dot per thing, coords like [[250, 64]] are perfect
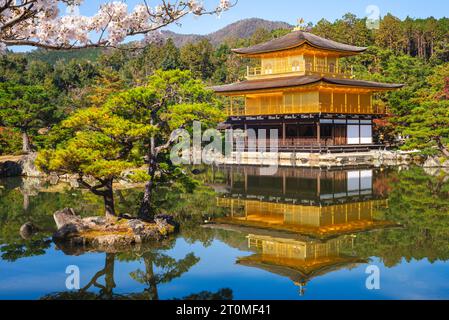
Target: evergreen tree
[[98, 149], [172, 57], [26, 109], [199, 59], [428, 128], [171, 100]]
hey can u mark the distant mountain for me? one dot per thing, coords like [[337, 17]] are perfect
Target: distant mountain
[[240, 29]]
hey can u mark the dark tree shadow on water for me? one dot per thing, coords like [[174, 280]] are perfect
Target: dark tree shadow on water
[[159, 269]]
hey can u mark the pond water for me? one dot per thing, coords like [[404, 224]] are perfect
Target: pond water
[[300, 234]]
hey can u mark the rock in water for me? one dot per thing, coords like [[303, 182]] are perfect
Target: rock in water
[[28, 230], [65, 216], [101, 234]]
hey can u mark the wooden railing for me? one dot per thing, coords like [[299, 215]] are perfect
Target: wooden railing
[[240, 110], [304, 69], [328, 71]]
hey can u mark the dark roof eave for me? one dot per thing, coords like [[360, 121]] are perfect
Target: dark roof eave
[[243, 51], [296, 39]]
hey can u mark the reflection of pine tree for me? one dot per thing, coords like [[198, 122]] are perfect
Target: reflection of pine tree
[[170, 269], [105, 290]]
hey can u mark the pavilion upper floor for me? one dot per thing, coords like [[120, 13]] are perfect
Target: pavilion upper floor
[[299, 53]]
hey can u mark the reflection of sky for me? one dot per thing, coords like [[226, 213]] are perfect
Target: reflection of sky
[[34, 277]]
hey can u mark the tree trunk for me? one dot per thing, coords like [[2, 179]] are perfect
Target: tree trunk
[[26, 144], [145, 207], [108, 197], [145, 211], [108, 290], [444, 150], [151, 280]]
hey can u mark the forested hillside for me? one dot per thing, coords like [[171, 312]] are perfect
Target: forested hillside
[[413, 51]]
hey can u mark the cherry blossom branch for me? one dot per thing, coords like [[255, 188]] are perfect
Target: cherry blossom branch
[[39, 23]]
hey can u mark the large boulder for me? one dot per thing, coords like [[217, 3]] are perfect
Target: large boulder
[[28, 230], [65, 217]]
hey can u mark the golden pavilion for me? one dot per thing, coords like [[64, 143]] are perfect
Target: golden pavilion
[[302, 89]]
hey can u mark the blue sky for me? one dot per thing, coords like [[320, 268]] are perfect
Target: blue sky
[[291, 10]]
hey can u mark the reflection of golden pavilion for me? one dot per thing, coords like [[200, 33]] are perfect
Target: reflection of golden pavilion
[[299, 260], [314, 203], [301, 222], [309, 220]]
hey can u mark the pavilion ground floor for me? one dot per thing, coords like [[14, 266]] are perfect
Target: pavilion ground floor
[[308, 133]]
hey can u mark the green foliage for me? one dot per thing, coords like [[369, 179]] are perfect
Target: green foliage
[[199, 58], [420, 203], [171, 100], [51, 57], [10, 141], [102, 142], [172, 57], [428, 128], [12, 68], [26, 109], [100, 145], [76, 73]]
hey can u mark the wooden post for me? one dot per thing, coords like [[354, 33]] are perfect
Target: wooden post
[[283, 133], [318, 132], [232, 177], [318, 184], [332, 101], [284, 184], [358, 103], [346, 102], [244, 107], [232, 105], [333, 133]]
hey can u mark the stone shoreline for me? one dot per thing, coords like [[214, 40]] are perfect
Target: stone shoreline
[[315, 160]]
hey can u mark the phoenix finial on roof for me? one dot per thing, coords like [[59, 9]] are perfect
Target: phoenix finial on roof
[[300, 25]]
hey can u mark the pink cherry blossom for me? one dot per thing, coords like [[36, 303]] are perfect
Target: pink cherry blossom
[[40, 23]]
